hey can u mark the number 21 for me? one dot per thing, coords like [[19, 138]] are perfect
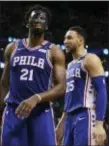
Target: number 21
[[26, 75]]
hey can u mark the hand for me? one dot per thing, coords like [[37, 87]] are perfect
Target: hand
[[26, 106], [100, 134]]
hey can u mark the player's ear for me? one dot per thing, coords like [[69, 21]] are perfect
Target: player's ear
[[81, 40]]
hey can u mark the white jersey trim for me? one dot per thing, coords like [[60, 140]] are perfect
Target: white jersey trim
[[34, 48], [89, 98], [91, 127], [48, 59]]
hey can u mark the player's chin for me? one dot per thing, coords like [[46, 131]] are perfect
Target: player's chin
[[37, 31], [68, 49], [39, 28]]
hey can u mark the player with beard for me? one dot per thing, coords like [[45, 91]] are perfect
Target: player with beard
[[85, 98], [30, 66]]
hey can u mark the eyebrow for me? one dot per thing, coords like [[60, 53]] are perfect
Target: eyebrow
[[68, 36]]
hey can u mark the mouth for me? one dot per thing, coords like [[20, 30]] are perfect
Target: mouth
[[37, 25], [67, 45]]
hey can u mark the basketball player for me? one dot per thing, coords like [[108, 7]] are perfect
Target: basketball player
[[30, 65], [85, 99]]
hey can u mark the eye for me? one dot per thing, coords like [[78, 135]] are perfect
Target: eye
[[42, 17], [69, 37]]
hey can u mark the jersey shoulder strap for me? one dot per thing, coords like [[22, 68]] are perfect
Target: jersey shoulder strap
[[47, 45]]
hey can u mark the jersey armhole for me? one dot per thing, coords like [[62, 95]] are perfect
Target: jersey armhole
[[47, 56], [82, 66]]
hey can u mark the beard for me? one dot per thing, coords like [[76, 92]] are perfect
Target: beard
[[36, 32], [70, 49]]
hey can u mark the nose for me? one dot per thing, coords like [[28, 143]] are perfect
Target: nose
[[64, 41]]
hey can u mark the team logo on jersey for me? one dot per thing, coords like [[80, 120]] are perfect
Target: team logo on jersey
[[29, 60], [74, 72]]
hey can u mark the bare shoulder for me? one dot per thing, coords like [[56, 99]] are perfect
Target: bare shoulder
[[57, 54], [9, 49], [93, 65], [91, 60]]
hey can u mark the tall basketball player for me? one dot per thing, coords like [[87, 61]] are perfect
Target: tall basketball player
[[30, 66], [85, 99]]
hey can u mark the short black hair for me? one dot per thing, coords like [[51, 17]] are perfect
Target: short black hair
[[80, 31], [38, 7]]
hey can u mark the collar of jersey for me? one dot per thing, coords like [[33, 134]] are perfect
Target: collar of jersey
[[34, 48], [85, 52]]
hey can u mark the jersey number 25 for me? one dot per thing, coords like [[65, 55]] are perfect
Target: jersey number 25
[[70, 86]]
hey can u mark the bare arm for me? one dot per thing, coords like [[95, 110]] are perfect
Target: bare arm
[[93, 65], [58, 90], [4, 83]]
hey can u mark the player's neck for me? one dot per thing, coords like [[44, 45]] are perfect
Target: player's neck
[[35, 41], [78, 53]]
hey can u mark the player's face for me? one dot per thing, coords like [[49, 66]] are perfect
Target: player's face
[[37, 22], [71, 40]]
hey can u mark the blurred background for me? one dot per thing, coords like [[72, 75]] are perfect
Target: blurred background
[[93, 16]]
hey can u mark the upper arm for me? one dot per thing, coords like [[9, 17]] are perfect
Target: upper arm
[[58, 61], [93, 65], [7, 54]]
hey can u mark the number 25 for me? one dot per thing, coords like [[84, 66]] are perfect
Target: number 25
[[70, 86]]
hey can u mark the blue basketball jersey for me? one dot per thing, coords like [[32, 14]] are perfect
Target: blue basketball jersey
[[79, 90], [30, 71]]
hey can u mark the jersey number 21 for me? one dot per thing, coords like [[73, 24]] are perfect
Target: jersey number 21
[[26, 75]]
